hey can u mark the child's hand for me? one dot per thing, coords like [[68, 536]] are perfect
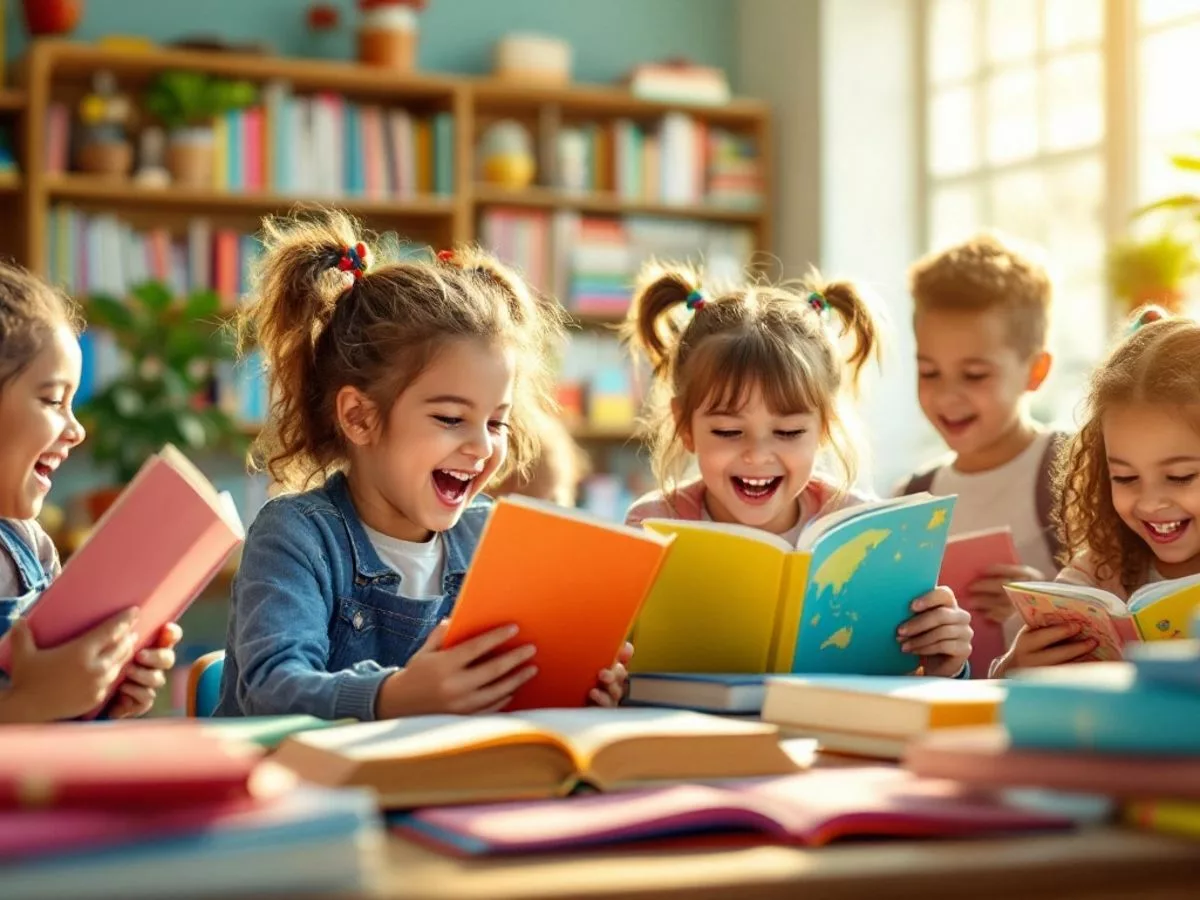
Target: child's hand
[[940, 633], [611, 688], [1051, 645], [988, 594], [454, 680], [143, 677], [71, 679]]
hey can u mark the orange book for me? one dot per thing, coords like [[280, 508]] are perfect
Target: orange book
[[424, 144], [141, 763], [156, 548], [572, 584]]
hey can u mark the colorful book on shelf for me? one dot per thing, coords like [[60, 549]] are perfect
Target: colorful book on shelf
[[129, 765], [1100, 707], [429, 760], [968, 556], [811, 808], [1168, 663], [1179, 817], [876, 716], [307, 841], [581, 582], [1159, 611], [985, 758], [181, 531], [741, 600], [731, 694]]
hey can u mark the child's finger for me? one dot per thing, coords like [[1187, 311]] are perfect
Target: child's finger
[[156, 658], [109, 633], [992, 587], [1059, 654], [433, 642], [147, 677], [939, 596], [469, 651], [494, 669], [1036, 639], [625, 654], [115, 656], [491, 694], [141, 695], [921, 644], [600, 698], [168, 636], [933, 618]]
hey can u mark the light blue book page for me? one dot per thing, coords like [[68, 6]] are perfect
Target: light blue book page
[[864, 574]]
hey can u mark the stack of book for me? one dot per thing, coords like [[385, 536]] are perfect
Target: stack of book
[[1125, 730], [147, 809]]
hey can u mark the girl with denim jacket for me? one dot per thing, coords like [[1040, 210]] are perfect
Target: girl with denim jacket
[[748, 384], [399, 390], [40, 363]]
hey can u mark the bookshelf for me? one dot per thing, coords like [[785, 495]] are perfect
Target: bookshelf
[[60, 72]]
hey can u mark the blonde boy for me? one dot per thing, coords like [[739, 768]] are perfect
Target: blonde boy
[[981, 317]]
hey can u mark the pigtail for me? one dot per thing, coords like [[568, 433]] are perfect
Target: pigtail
[[308, 265], [650, 327], [847, 302]]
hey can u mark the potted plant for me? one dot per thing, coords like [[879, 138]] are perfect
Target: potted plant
[[387, 33], [51, 17], [1153, 270], [163, 396], [186, 103]]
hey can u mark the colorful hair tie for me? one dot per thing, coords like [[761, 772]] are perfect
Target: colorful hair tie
[[446, 256], [1145, 318], [354, 259], [695, 300], [818, 302]]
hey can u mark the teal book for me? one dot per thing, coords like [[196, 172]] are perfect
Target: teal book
[[236, 137], [443, 154], [729, 694], [354, 174], [1101, 707], [740, 600], [1168, 663]]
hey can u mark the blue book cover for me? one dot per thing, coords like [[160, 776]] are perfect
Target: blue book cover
[[1168, 663], [353, 155], [1101, 707], [237, 149], [443, 154], [863, 575], [721, 693]]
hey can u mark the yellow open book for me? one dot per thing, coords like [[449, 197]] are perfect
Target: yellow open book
[[430, 760]]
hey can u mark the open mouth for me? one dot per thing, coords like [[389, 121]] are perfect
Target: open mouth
[[452, 485], [43, 470], [1166, 532], [756, 490], [956, 426]]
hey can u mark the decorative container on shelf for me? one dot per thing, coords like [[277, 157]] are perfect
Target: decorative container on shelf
[[506, 155], [187, 103], [387, 33], [104, 147], [44, 18], [533, 59]]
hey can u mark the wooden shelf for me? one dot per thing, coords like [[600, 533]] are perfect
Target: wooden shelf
[[10, 182], [12, 100], [82, 60], [611, 101], [596, 320], [607, 204], [83, 187]]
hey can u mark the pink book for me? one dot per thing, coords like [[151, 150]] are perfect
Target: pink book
[[156, 548], [812, 808], [252, 149], [982, 757], [967, 557], [374, 153]]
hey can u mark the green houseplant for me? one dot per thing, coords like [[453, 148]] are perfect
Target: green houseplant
[[1153, 270], [173, 348], [187, 103]]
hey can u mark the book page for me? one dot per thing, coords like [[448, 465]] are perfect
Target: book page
[[417, 737], [1163, 611], [744, 532]]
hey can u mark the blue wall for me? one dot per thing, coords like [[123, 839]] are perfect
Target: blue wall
[[608, 36]]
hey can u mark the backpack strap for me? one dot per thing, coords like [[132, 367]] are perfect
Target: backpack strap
[[1044, 493]]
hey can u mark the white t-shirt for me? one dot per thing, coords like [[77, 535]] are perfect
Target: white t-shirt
[[420, 564], [1002, 496]]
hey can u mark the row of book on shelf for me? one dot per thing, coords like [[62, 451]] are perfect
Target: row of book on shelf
[[126, 806], [591, 262], [322, 146], [679, 160]]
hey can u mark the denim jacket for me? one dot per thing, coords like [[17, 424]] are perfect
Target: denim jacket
[[32, 576], [318, 621]]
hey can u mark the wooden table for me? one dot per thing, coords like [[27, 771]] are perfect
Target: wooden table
[[1105, 864]]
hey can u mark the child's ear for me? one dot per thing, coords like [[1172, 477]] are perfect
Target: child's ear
[[1039, 369], [684, 429], [357, 416]]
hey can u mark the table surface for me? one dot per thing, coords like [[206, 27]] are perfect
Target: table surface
[[1096, 863]]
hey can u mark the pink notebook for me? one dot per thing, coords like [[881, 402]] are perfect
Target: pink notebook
[[967, 557], [982, 757], [156, 548], [811, 808]]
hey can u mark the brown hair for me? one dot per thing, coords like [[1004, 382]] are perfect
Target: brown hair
[[1154, 364], [30, 310], [770, 337], [321, 329], [984, 273]]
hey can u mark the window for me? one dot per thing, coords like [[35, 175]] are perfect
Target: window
[[1168, 104], [1016, 140]]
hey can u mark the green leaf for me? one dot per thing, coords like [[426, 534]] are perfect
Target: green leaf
[[108, 312], [202, 305], [1178, 202], [154, 296]]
